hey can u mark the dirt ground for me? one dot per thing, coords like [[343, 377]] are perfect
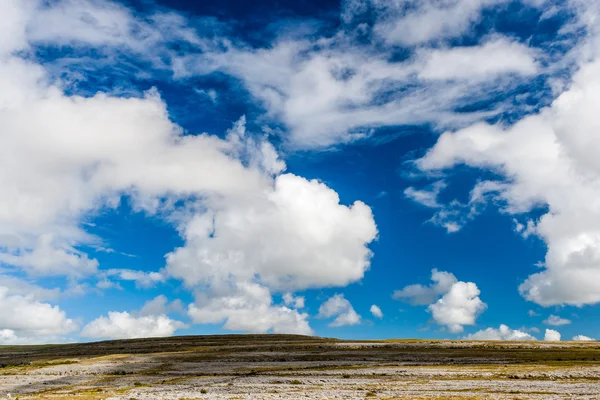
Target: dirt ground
[[295, 367]]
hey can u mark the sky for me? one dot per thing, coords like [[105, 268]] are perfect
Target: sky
[[362, 169]]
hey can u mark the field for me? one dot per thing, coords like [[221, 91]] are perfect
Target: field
[[234, 367]]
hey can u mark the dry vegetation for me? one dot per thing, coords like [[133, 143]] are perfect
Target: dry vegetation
[[235, 367]]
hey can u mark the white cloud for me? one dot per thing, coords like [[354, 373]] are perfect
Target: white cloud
[[106, 284], [451, 303], [525, 230], [150, 321], [292, 236], [88, 22], [273, 239], [47, 259], [248, 308], [247, 227], [23, 319], [21, 287], [160, 305], [339, 93], [426, 197], [460, 306], [502, 333], [581, 338], [414, 22], [211, 94], [555, 320], [122, 325], [15, 16], [532, 313], [64, 159], [552, 336], [421, 295], [453, 215], [339, 307], [376, 311], [8, 336], [67, 157], [547, 163], [294, 301], [64, 176], [142, 279], [496, 56], [325, 90], [111, 28]]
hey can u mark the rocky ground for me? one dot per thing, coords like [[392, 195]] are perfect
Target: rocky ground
[[296, 367]]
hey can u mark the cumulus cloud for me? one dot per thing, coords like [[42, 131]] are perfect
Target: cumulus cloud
[[150, 321], [279, 235], [8, 336], [275, 238], [293, 301], [451, 303], [160, 305], [73, 156], [544, 163], [460, 306], [248, 308], [84, 161], [548, 162], [122, 325], [249, 230], [46, 259], [418, 294], [339, 307], [17, 286], [502, 333], [26, 320], [555, 320], [552, 336], [376, 311], [582, 338]]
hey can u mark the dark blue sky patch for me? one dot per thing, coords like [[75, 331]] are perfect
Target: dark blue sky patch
[[148, 238]]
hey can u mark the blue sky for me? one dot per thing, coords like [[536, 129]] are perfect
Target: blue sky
[[353, 169]]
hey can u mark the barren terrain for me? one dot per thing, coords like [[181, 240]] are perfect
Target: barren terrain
[[296, 367]]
